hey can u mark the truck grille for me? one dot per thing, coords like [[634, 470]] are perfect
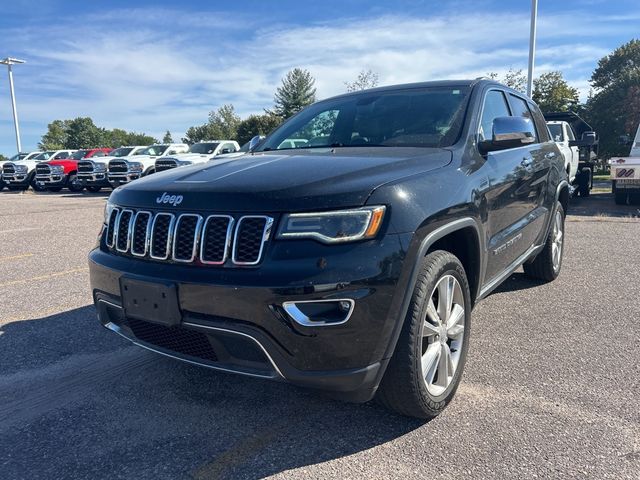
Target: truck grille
[[85, 166], [43, 169], [9, 169], [118, 166], [189, 237], [165, 164]]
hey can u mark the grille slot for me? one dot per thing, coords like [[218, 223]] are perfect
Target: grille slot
[[161, 235], [111, 227], [123, 238], [9, 168], [140, 235], [118, 166], [185, 237], [85, 166], [251, 233], [167, 164], [216, 239], [43, 169], [181, 340]]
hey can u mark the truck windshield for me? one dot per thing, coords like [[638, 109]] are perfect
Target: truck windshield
[[203, 147], [78, 155], [412, 117], [44, 156], [121, 152], [153, 150], [556, 131]]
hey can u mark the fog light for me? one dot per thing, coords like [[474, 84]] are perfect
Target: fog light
[[314, 313]]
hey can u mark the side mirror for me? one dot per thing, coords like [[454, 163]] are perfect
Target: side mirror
[[255, 141], [225, 150], [509, 132]]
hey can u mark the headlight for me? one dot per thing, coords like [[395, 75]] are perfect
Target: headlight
[[333, 227], [135, 167], [57, 169], [108, 208]]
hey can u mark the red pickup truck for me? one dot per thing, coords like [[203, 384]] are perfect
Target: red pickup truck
[[57, 174]]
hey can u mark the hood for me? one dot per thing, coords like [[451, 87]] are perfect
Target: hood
[[283, 181], [188, 156], [135, 158], [62, 161]]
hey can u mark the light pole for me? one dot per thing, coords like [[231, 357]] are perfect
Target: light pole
[[8, 62], [532, 44]]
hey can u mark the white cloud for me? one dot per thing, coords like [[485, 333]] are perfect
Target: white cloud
[[152, 69]]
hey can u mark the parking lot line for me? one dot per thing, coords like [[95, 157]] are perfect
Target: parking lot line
[[16, 257], [44, 277]]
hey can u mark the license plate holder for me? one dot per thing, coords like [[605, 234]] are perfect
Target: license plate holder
[[154, 302]]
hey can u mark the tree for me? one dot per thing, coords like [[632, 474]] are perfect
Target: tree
[[82, 133], [134, 138], [167, 137], [614, 109], [366, 79], [296, 92], [553, 94], [198, 133], [224, 123], [256, 125], [513, 78], [3, 158], [56, 136]]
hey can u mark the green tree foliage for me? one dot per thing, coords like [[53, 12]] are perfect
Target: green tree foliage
[[56, 136], [198, 133], [256, 125], [296, 92], [553, 94], [83, 133], [3, 158], [515, 79], [366, 79], [167, 137], [134, 138], [224, 123], [614, 108]]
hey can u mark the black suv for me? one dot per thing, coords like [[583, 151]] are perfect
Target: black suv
[[347, 251]]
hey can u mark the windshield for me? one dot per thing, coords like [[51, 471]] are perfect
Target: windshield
[[44, 156], [416, 117], [18, 156], [203, 147], [556, 131], [153, 150], [79, 154], [120, 152]]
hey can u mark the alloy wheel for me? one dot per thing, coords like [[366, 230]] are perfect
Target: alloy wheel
[[556, 241]]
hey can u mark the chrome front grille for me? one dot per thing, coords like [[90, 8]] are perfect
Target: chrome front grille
[[188, 237], [85, 166], [43, 169], [118, 166], [9, 169], [165, 164]]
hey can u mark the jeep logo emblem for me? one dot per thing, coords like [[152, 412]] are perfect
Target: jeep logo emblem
[[174, 200]]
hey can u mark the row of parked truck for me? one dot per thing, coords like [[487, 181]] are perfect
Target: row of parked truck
[[97, 168]]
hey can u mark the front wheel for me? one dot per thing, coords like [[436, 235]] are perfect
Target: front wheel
[[425, 370], [547, 264], [73, 184], [585, 182]]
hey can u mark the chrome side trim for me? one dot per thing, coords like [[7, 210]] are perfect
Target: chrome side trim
[[299, 317], [111, 234], [169, 235], [196, 235], [494, 282], [118, 220], [227, 244], [266, 233], [147, 234]]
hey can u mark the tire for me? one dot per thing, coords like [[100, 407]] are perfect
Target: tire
[[53, 189], [18, 189], [35, 186], [547, 264], [94, 189], [404, 389], [620, 197], [72, 183], [585, 182]]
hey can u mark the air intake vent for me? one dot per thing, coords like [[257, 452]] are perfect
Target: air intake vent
[[251, 233], [86, 166], [167, 164], [141, 229], [185, 238], [161, 236], [43, 169], [123, 229], [216, 238]]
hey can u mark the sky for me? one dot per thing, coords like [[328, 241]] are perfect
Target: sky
[[156, 66]]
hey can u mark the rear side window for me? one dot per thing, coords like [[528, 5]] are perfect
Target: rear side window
[[521, 109], [495, 105], [541, 124]]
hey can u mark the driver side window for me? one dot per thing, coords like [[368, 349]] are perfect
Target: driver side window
[[495, 105]]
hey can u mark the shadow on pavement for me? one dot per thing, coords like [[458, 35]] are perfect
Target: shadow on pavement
[[80, 402], [601, 204]]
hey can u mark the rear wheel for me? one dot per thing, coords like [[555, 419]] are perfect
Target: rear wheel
[[585, 182], [425, 370], [547, 264], [73, 184], [35, 186]]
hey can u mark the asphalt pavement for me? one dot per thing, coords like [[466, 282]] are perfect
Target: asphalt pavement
[[551, 387]]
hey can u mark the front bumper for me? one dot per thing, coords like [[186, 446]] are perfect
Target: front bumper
[[116, 179], [93, 179], [52, 180], [247, 303], [16, 179]]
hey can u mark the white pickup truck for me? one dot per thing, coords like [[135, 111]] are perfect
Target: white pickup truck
[[625, 174], [562, 134], [198, 153], [125, 169], [92, 173], [20, 174]]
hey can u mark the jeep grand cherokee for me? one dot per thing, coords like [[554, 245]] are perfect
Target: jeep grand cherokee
[[349, 262]]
